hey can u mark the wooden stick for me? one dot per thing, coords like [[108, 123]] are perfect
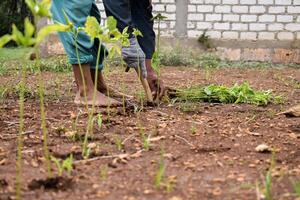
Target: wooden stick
[[145, 86], [147, 90]]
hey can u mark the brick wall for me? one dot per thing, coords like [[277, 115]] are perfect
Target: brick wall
[[245, 19], [233, 19]]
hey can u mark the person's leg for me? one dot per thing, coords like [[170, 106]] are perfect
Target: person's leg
[[80, 49], [85, 94]]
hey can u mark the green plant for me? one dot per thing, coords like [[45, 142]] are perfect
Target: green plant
[[296, 186], [63, 165], [30, 37], [205, 40], [193, 129], [99, 121], [217, 93], [108, 34], [119, 143], [156, 55], [160, 171], [146, 141], [104, 173]]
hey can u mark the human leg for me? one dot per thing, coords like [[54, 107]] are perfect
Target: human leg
[[85, 93]]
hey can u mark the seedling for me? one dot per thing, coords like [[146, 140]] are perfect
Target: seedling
[[267, 184], [146, 141], [156, 56], [63, 165], [296, 186], [160, 173], [170, 183], [104, 34], [99, 121], [32, 38], [104, 173], [119, 143], [193, 129]]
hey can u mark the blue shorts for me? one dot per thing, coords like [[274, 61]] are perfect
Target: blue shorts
[[78, 11]]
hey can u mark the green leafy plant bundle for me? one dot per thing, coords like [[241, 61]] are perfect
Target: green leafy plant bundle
[[221, 94]]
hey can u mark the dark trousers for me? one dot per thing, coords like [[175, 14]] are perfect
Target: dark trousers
[[134, 14]]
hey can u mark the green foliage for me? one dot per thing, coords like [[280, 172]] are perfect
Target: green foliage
[[92, 27], [236, 94], [13, 12], [99, 121], [137, 33], [268, 178], [159, 17], [39, 8], [119, 143], [209, 61], [104, 173], [146, 141], [14, 54], [296, 186], [160, 172], [205, 40], [63, 165], [268, 185]]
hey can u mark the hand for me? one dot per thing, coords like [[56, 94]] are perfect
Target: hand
[[134, 57], [157, 86]]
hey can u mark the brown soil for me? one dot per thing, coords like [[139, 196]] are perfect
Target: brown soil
[[209, 149]]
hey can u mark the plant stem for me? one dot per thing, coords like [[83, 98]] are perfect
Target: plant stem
[[91, 112], [20, 136], [42, 107]]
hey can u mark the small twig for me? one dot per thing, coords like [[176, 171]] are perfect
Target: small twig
[[94, 159], [53, 119], [185, 140], [9, 137], [11, 123]]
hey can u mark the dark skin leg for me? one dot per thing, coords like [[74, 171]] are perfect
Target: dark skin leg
[[103, 88], [88, 88], [101, 85]]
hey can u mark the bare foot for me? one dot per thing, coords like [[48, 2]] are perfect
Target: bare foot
[[101, 100]]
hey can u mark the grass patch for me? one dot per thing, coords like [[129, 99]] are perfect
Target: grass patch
[[12, 59], [178, 57], [9, 54], [221, 94]]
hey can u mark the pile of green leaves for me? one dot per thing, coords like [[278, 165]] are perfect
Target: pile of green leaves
[[221, 94]]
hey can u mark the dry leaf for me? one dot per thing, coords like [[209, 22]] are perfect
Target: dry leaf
[[292, 112]]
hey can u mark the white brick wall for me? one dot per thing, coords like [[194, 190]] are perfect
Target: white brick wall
[[234, 19], [247, 19]]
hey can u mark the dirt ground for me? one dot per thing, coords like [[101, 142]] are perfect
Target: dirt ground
[[208, 149]]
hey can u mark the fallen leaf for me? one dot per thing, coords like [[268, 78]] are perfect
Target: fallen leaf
[[292, 112]]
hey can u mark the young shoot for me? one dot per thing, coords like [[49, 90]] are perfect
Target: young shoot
[[63, 165], [160, 173], [104, 173], [119, 143]]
